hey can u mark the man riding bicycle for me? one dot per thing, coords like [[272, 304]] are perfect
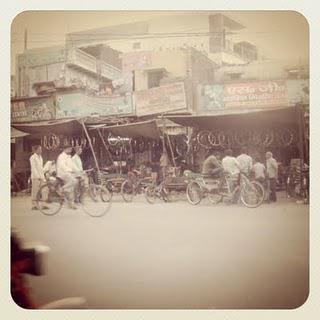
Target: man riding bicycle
[[67, 172]]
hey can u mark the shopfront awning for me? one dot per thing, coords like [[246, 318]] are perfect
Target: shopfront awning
[[277, 117], [17, 133], [147, 129], [63, 127]]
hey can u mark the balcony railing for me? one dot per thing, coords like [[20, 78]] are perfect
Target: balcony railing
[[77, 57], [83, 60], [108, 71]]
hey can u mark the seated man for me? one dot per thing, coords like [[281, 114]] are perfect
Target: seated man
[[212, 166]]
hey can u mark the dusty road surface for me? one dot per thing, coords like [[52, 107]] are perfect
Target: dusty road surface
[[173, 255]]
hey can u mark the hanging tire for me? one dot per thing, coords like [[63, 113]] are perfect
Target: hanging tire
[[252, 194], [194, 193]]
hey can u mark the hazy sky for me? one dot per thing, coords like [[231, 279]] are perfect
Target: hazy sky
[[278, 34]]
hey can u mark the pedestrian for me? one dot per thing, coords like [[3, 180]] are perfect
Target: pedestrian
[[164, 163], [259, 171], [230, 164], [79, 173], [272, 175], [66, 171], [245, 161], [37, 174]]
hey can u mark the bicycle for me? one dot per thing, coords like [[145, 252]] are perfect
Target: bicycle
[[133, 185], [94, 199], [156, 191], [251, 193]]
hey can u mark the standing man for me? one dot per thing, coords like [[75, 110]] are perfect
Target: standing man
[[245, 161], [66, 171], [37, 175], [232, 166], [77, 162], [272, 174], [259, 170], [164, 163]]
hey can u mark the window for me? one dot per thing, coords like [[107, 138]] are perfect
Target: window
[[136, 45], [234, 76], [154, 78]]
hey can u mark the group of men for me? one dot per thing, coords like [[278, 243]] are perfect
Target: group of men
[[266, 174], [68, 168]]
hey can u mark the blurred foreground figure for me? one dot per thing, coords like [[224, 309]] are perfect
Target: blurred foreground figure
[[22, 261], [33, 261]]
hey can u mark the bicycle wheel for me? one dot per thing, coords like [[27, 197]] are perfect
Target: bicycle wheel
[[92, 200], [165, 194], [252, 194], [150, 194], [109, 186], [194, 192], [127, 191], [49, 201]]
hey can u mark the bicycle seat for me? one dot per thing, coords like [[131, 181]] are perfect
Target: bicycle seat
[[206, 175]]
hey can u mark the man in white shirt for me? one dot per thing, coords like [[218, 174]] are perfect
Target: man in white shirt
[[259, 170], [245, 161], [77, 160], [37, 175], [272, 174], [230, 164], [66, 171]]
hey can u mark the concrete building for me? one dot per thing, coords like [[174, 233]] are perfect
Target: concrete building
[[208, 33], [63, 66]]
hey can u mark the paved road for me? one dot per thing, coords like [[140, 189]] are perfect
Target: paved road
[[173, 255]]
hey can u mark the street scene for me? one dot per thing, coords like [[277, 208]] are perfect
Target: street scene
[[160, 161]]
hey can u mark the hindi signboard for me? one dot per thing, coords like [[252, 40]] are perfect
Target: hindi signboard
[[77, 105], [253, 95], [162, 99], [32, 109]]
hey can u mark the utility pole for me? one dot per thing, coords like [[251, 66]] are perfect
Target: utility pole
[[25, 39]]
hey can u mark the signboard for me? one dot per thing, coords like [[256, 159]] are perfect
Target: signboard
[[136, 60], [160, 99], [80, 105], [32, 109], [259, 94], [255, 94], [298, 91]]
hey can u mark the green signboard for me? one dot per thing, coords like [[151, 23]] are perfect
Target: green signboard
[[77, 105]]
